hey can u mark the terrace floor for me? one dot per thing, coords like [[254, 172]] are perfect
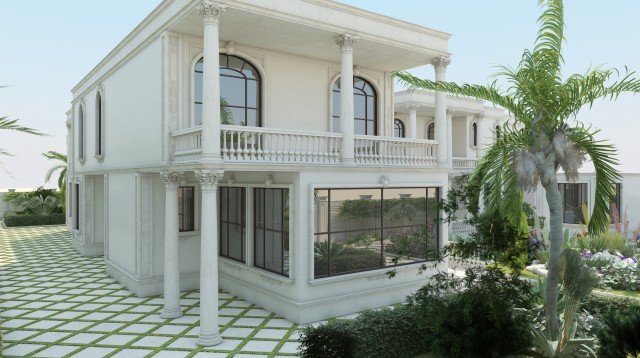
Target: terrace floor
[[56, 303]]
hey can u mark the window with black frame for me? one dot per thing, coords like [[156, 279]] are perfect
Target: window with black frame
[[366, 229], [186, 208], [76, 206], [398, 128], [364, 106], [271, 230], [574, 198], [616, 205], [431, 131], [474, 134], [232, 223]]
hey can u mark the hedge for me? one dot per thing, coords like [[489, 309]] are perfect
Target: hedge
[[373, 334], [602, 304], [34, 220]]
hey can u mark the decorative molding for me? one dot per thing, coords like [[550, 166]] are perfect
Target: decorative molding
[[232, 180], [211, 12], [478, 117], [357, 71], [440, 63], [269, 181], [413, 107], [385, 181], [209, 179], [347, 41], [449, 112], [230, 48], [172, 179]]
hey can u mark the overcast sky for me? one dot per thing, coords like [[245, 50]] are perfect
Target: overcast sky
[[48, 46]]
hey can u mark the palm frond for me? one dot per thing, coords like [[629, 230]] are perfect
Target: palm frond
[[55, 155], [603, 156], [52, 170], [550, 37], [12, 124]]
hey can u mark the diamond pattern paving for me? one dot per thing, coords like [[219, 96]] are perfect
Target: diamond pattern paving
[[56, 303]]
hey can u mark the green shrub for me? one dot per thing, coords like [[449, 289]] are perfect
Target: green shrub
[[600, 305], [34, 220], [619, 333], [373, 334]]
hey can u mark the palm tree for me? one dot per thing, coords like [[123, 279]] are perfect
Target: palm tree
[[544, 136], [60, 166], [12, 125]]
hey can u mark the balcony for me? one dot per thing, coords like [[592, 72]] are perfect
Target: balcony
[[240, 144], [464, 165]]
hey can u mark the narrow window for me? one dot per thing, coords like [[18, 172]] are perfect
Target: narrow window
[[232, 223], [364, 107], [366, 229], [431, 131], [81, 133], [617, 203], [186, 208], [498, 132], [271, 230], [76, 206], [574, 199], [474, 130], [398, 128], [99, 120]]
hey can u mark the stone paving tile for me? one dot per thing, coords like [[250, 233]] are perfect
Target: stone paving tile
[[55, 303]]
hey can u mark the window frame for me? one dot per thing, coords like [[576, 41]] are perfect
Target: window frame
[[284, 232], [243, 224], [181, 208], [474, 134], [583, 189], [81, 130], [498, 131], [76, 206], [335, 88], [431, 129], [398, 125], [381, 228], [99, 153]]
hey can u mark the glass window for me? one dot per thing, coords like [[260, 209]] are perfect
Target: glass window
[[240, 91], [186, 208], [431, 131], [474, 130], [76, 206], [271, 230], [574, 199], [364, 106], [398, 128], [364, 229], [232, 223], [81, 133], [617, 204], [98, 124], [498, 132]]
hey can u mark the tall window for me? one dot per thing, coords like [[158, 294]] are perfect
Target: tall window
[[574, 197], [398, 128], [76, 206], [616, 205], [365, 229], [364, 106], [240, 90], [186, 208], [99, 125], [431, 131], [232, 223], [498, 132], [271, 230], [474, 134], [81, 132]]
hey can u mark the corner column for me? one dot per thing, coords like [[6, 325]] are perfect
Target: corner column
[[211, 13], [450, 138], [172, 309], [346, 43], [440, 65], [413, 122], [482, 134], [209, 332]]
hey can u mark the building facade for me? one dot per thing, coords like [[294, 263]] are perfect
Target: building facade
[[217, 148]]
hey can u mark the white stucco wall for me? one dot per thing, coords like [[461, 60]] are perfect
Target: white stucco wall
[[121, 214]]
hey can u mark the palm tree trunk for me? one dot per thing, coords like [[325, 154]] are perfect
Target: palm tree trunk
[[555, 247]]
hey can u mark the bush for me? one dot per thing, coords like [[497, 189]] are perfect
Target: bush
[[34, 220], [619, 333], [372, 334], [600, 305]]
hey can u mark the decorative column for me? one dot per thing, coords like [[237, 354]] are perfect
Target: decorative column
[[440, 65], [211, 13], [346, 42], [413, 122], [450, 138], [209, 333], [480, 122], [172, 309]]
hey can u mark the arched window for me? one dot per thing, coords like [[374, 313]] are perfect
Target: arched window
[[398, 128], [240, 91], [474, 134], [81, 133], [364, 106], [498, 133], [431, 131], [99, 125]]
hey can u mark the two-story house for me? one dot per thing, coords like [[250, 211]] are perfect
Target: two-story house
[[257, 146]]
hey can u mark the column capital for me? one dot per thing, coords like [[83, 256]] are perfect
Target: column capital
[[209, 179], [449, 112], [172, 179], [413, 107], [211, 11], [440, 63], [347, 41]]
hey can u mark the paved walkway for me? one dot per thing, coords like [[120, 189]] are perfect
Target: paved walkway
[[56, 303]]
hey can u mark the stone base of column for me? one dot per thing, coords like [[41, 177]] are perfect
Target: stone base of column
[[208, 340], [169, 313]]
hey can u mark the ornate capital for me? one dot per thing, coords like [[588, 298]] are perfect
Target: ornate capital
[[211, 11], [347, 41], [209, 178], [413, 107], [172, 179], [440, 63]]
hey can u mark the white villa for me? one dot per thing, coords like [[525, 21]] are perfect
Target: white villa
[[305, 198]]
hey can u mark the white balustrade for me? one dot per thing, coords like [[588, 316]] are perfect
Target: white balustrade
[[464, 165], [461, 229], [187, 144], [395, 151], [257, 144]]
